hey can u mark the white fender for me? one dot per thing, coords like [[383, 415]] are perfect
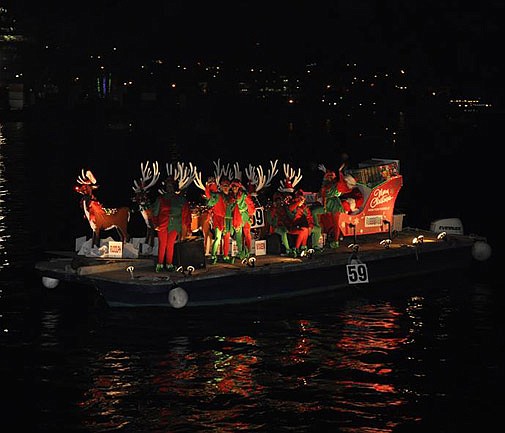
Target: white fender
[[178, 297], [481, 251], [50, 283]]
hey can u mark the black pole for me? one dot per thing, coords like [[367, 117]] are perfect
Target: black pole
[[388, 223], [353, 226]]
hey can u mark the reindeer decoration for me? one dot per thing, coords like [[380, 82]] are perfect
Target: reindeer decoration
[[100, 218], [182, 174], [292, 179], [256, 179], [141, 189]]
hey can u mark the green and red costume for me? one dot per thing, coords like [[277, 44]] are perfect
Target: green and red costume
[[222, 205], [242, 218], [171, 212], [301, 219]]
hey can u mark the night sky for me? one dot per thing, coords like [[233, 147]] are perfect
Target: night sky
[[446, 39]]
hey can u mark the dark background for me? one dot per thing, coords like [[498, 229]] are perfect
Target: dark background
[[443, 41]]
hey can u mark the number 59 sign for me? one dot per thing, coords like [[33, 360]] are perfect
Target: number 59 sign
[[258, 218], [357, 273]]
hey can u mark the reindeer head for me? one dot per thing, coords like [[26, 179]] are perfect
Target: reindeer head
[[142, 187], [86, 184]]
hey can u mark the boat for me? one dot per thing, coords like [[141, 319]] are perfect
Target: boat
[[374, 248], [375, 259]]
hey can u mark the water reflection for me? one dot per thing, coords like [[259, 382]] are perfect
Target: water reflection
[[294, 371]]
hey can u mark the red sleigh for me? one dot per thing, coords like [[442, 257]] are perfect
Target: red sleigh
[[376, 214]]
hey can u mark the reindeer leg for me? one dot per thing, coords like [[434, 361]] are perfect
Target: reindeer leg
[[123, 234], [95, 239]]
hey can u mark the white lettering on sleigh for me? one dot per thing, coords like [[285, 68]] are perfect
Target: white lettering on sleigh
[[380, 196]]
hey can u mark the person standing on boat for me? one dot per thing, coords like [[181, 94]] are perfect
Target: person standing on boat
[[301, 222], [222, 202], [243, 213], [330, 195], [171, 212], [278, 219]]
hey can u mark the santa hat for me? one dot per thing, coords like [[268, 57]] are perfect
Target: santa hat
[[286, 186]]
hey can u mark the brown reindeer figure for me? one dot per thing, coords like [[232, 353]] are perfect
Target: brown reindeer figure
[[100, 218]]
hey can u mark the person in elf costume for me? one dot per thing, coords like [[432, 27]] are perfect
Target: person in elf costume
[[171, 212], [278, 218], [222, 202], [317, 211], [351, 196], [330, 195], [242, 218], [301, 222]]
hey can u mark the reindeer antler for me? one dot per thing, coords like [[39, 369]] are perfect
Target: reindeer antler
[[185, 175], [197, 180], [181, 173], [218, 171], [86, 178], [322, 167], [149, 177], [251, 173], [263, 181], [226, 171], [292, 177], [238, 173]]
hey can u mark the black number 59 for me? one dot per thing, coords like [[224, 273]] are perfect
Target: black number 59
[[258, 219], [357, 273]]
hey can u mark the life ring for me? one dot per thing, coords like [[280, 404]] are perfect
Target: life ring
[[50, 283], [178, 297]]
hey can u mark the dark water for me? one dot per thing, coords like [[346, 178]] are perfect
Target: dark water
[[422, 355]]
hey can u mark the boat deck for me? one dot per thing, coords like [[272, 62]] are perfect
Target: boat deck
[[69, 266]]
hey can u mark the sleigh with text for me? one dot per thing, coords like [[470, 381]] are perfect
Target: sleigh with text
[[379, 186]]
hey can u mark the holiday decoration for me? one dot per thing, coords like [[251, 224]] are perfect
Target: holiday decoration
[[99, 217]]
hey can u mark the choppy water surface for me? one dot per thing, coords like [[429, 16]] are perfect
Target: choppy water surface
[[417, 356], [413, 356]]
